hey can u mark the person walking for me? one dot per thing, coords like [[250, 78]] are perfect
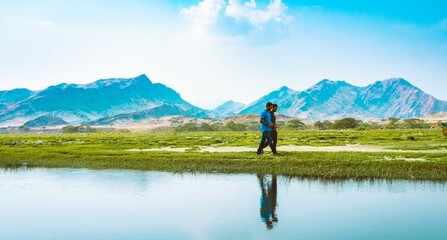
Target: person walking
[[275, 127], [266, 129], [274, 132]]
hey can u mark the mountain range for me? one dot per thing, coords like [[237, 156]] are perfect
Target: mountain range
[[328, 99], [84, 103], [122, 101]]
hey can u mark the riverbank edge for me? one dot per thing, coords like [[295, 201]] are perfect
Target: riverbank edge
[[322, 165]]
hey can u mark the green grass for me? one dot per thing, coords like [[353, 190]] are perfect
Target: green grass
[[109, 151]]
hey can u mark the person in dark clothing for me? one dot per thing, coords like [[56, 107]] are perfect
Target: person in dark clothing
[[268, 200], [266, 129], [274, 132]]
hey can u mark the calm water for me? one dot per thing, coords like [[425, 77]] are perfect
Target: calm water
[[114, 204]]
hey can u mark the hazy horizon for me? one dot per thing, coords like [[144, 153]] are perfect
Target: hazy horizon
[[222, 50]]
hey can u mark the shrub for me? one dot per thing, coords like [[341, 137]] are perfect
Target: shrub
[[24, 128], [324, 125], [414, 123], [411, 138], [187, 127], [232, 126], [206, 127], [78, 129], [346, 123], [392, 123], [295, 124]]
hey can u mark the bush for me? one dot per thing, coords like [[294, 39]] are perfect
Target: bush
[[78, 129], [324, 125], [346, 123], [252, 126], [414, 123], [294, 124], [187, 127], [370, 125], [232, 126], [206, 127], [392, 123], [24, 128]]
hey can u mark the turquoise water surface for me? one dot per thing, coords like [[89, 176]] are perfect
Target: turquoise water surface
[[118, 204]]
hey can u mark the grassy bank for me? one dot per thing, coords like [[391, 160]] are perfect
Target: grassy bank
[[104, 151]]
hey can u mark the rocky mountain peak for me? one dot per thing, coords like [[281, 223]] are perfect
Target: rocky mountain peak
[[328, 85], [284, 88], [400, 81], [230, 104], [15, 95], [393, 83], [121, 83], [392, 86], [228, 108]]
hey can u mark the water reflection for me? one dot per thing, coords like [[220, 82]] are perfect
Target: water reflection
[[74, 204], [269, 194]]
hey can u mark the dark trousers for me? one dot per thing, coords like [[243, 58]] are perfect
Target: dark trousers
[[274, 135], [266, 137]]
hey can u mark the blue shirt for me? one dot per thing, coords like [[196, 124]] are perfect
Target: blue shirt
[[265, 115]]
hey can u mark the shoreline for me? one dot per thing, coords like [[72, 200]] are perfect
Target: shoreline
[[322, 165], [333, 155]]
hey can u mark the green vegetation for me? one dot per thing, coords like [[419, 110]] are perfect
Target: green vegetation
[[346, 123], [252, 124], [78, 129], [24, 128], [293, 124], [325, 125], [242, 123], [111, 150], [232, 126], [391, 123], [206, 127]]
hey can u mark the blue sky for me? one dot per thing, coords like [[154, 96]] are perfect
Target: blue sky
[[216, 50]]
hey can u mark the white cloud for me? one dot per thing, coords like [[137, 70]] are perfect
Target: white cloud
[[206, 13], [249, 11], [203, 15]]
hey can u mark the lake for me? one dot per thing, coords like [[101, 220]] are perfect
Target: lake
[[122, 204]]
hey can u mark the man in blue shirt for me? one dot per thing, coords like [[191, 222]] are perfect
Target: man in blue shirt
[[274, 132], [266, 129]]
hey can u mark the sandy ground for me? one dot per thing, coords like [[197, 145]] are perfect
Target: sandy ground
[[347, 148]]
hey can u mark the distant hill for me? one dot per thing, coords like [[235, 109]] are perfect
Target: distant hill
[[283, 97], [126, 118], [228, 108], [336, 99], [78, 103], [46, 121]]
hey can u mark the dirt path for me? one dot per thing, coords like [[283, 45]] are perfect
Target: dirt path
[[347, 148]]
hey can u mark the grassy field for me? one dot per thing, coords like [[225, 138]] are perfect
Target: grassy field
[[111, 150]]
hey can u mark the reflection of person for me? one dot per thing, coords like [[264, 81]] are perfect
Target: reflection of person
[[268, 201], [266, 129], [274, 132]]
